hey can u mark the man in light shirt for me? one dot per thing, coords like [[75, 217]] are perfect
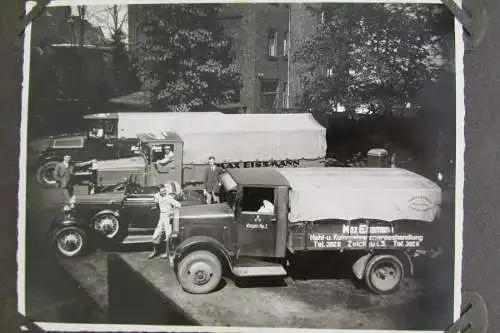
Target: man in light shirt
[[165, 203], [168, 157], [266, 208]]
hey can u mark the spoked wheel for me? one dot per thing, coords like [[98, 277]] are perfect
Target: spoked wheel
[[107, 225], [70, 241], [200, 272], [384, 274]]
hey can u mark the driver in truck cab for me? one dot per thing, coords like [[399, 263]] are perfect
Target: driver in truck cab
[[165, 201], [167, 157]]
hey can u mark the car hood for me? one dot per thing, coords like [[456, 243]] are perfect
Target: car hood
[[134, 163], [100, 198], [222, 210]]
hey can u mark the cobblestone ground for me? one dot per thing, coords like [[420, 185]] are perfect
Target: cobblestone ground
[[76, 290]]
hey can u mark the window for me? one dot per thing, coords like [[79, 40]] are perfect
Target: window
[[258, 199], [286, 45], [158, 151], [272, 43], [285, 95], [268, 93]]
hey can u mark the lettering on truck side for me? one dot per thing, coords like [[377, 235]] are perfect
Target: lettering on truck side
[[362, 237], [260, 164]]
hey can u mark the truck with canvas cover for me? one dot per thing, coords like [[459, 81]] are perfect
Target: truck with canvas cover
[[385, 216], [108, 136], [236, 141]]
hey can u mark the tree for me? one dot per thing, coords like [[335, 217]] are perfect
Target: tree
[[376, 55], [184, 57]]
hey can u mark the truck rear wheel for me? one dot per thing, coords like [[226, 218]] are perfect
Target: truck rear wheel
[[199, 272], [384, 273], [45, 174]]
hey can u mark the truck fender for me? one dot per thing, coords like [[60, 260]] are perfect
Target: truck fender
[[106, 211], [202, 243], [59, 224], [358, 268]]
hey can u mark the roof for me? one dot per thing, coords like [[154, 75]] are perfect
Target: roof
[[334, 179], [109, 115], [166, 136], [258, 176], [256, 123]]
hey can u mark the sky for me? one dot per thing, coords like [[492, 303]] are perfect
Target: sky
[[101, 16]]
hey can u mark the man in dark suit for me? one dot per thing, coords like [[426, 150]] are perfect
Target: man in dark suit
[[212, 182]]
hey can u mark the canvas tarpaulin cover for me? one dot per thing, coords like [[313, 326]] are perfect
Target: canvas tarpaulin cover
[[252, 137], [387, 194], [132, 123]]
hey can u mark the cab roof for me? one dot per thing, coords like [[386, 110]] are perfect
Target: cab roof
[[164, 136], [258, 176]]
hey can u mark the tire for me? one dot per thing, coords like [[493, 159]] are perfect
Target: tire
[[199, 272], [110, 228], [44, 174], [63, 237], [384, 273]]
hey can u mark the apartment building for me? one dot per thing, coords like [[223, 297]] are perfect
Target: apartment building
[[264, 37]]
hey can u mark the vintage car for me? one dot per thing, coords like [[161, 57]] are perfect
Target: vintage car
[[386, 215], [120, 213]]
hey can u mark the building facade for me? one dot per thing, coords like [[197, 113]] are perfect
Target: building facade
[[264, 37]]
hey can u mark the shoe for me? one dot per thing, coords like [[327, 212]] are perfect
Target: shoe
[[164, 255], [154, 253]]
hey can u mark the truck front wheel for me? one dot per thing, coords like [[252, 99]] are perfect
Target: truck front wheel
[[384, 273], [199, 272], [45, 174]]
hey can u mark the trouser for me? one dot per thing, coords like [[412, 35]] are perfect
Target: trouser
[[67, 192], [212, 195], [163, 226]]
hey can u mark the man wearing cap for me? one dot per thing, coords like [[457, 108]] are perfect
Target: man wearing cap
[[165, 202], [168, 157]]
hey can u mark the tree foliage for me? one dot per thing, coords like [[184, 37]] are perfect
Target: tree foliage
[[184, 57], [377, 55]]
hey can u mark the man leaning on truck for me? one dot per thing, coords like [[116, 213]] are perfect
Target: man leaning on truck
[[212, 182]]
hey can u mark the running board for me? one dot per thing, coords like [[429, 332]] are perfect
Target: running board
[[246, 267], [138, 239]]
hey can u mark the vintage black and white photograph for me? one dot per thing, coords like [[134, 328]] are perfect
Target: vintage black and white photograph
[[231, 166]]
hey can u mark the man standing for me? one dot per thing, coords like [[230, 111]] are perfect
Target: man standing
[[165, 202], [63, 174], [212, 182]]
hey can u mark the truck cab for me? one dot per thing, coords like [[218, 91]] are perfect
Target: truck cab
[[255, 229], [145, 166]]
